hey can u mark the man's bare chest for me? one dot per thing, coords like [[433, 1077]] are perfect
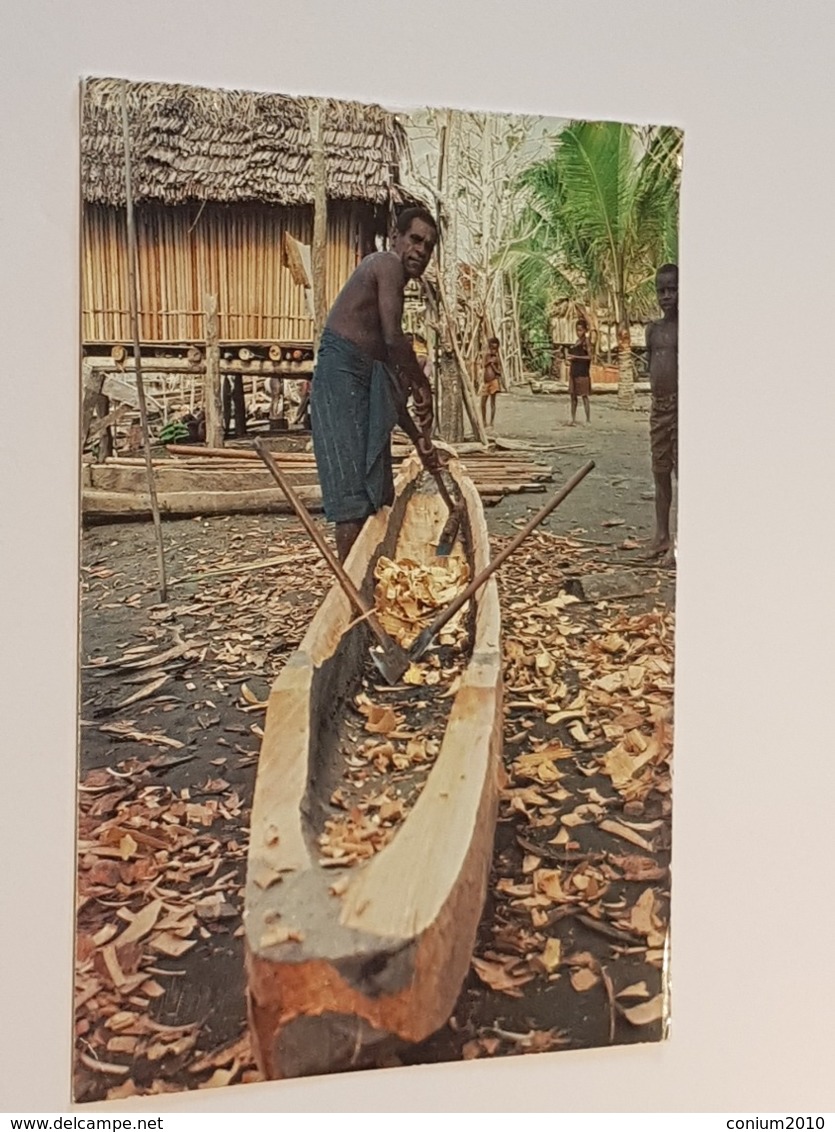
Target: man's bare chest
[[664, 338]]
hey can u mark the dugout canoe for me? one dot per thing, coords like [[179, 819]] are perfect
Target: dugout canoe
[[383, 962]]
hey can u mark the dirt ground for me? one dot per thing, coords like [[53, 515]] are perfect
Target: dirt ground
[[620, 487], [242, 627]]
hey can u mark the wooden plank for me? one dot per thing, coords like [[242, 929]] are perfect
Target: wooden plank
[[172, 477], [232, 453], [97, 504]]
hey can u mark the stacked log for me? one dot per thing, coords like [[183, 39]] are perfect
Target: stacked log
[[203, 481]]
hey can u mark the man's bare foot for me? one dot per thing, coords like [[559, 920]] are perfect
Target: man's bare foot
[[669, 560], [657, 549]]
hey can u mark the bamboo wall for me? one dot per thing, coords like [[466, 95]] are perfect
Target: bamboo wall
[[232, 251]]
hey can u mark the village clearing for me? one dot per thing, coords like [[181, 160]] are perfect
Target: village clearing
[[574, 935]]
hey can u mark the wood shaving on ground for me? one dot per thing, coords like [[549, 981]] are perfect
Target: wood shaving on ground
[[588, 706], [391, 743]]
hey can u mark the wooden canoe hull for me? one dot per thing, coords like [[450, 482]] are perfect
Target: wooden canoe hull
[[385, 960]]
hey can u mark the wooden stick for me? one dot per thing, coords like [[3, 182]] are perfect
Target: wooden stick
[[320, 217], [133, 288], [262, 564], [425, 639], [212, 405], [391, 660]]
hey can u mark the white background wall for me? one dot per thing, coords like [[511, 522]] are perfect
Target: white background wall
[[753, 896]]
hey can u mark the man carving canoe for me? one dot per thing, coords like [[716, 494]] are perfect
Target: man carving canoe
[[365, 371]]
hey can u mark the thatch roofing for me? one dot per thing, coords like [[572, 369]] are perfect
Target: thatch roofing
[[196, 144]]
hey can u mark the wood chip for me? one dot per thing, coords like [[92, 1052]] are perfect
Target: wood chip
[[646, 1013], [583, 979], [635, 990], [103, 1066], [170, 945], [619, 830], [141, 924]]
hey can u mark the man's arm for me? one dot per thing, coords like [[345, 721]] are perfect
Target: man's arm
[[401, 356]]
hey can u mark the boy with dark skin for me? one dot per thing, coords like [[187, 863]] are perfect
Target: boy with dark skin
[[662, 361], [368, 314], [579, 373], [491, 383]]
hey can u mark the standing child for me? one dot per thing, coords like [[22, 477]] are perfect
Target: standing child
[[491, 381], [662, 361], [579, 372]]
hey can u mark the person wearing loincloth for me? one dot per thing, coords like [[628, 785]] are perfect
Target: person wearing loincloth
[[365, 371], [579, 371], [662, 362], [491, 382]]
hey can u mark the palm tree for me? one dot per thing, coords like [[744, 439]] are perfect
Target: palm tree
[[602, 215]]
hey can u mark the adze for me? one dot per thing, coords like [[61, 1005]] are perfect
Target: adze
[[446, 540]]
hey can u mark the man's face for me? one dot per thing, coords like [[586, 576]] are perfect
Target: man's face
[[415, 247], [581, 330], [666, 287]]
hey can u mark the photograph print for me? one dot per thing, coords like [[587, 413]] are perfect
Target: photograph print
[[378, 463]]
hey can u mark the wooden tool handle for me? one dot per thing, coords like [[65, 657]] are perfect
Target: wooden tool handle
[[410, 428], [303, 514], [502, 556]]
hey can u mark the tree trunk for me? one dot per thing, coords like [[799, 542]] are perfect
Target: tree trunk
[[212, 394], [626, 369], [450, 414]]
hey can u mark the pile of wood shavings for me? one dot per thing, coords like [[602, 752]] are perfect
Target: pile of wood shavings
[[392, 740], [154, 881], [588, 744], [407, 597]]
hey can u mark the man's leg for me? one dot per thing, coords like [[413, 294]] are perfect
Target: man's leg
[[346, 535], [484, 409], [492, 408], [587, 407], [663, 445], [574, 400], [663, 502]]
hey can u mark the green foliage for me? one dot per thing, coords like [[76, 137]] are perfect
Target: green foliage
[[172, 432], [601, 216], [535, 332]]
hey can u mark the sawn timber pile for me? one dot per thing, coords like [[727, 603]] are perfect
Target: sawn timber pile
[[199, 481]]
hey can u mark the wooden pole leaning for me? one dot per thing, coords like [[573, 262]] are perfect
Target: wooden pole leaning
[[133, 293], [425, 639], [318, 252], [390, 659]]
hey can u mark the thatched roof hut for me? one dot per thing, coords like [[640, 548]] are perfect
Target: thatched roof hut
[[223, 183], [229, 146]]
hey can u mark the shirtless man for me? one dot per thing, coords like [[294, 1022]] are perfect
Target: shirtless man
[[491, 382], [662, 361], [365, 371]]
